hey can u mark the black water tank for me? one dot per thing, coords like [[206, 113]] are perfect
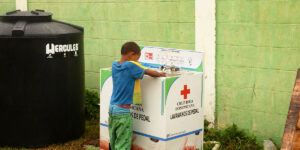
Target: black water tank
[[41, 80]]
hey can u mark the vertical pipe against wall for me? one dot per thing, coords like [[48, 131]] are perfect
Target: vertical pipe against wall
[[21, 5], [205, 40]]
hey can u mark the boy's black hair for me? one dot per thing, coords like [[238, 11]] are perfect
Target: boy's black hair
[[130, 47]]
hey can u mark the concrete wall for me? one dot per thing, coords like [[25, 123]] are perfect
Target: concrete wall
[[7, 5], [110, 23], [257, 54], [257, 49]]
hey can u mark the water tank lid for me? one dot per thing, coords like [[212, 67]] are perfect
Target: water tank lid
[[36, 15]]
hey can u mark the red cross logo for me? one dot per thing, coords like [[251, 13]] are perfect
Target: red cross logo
[[149, 56], [185, 92]]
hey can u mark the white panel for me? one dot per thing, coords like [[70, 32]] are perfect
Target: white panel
[[184, 59]]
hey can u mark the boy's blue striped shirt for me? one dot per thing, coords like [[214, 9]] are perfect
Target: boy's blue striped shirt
[[115, 110], [124, 76]]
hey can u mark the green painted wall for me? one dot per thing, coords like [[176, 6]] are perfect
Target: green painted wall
[[257, 55], [110, 23], [257, 51], [7, 5]]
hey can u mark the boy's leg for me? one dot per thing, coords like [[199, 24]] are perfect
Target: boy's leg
[[112, 132], [124, 133]]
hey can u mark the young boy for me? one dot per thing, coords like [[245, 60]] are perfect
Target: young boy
[[124, 74]]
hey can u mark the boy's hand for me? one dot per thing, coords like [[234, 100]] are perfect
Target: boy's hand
[[163, 74], [154, 73]]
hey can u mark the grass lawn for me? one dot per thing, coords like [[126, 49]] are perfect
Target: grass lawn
[[91, 133]]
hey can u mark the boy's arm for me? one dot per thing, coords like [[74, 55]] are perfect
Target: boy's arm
[[154, 73]]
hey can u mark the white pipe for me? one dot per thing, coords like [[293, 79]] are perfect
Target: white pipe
[[217, 144], [21, 4], [205, 40]]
